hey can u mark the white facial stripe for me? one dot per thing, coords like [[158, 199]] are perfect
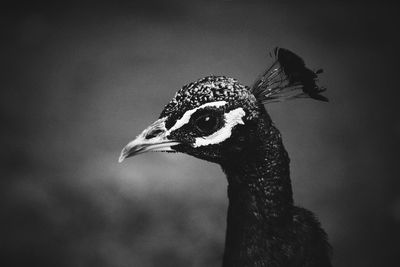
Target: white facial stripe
[[186, 117], [232, 118]]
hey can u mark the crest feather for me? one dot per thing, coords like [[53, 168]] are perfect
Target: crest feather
[[287, 78]]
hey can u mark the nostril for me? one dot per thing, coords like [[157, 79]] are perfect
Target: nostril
[[153, 133]]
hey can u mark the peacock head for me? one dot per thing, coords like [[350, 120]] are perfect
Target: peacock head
[[202, 120], [217, 118]]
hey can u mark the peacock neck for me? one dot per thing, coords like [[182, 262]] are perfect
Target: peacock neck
[[260, 196]]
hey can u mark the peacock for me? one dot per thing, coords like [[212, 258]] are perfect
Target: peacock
[[218, 119]]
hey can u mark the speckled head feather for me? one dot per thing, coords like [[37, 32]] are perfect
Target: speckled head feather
[[205, 90]]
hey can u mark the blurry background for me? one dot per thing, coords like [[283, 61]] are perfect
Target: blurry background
[[81, 80]]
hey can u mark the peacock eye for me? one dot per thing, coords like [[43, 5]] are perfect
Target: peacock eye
[[207, 123]]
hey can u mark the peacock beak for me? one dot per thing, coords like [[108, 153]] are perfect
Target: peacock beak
[[153, 138]]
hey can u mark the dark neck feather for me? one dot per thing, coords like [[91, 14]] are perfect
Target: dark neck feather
[[260, 196]]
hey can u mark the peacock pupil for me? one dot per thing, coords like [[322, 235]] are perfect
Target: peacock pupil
[[207, 124]]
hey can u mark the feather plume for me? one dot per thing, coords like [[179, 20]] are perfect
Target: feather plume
[[287, 78]]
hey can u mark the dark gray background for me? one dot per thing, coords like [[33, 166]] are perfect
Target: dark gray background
[[81, 80]]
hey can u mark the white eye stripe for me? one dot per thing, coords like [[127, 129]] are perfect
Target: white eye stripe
[[232, 118], [186, 117]]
